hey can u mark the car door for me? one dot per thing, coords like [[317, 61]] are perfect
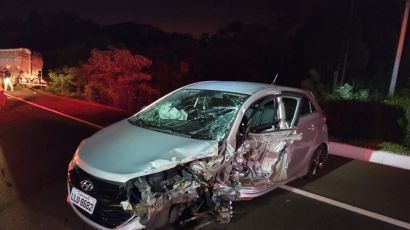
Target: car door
[[305, 122], [267, 138]]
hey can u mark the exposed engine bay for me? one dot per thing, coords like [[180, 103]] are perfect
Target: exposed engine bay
[[210, 185]]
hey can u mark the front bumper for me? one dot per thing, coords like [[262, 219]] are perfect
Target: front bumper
[[108, 213], [132, 224]]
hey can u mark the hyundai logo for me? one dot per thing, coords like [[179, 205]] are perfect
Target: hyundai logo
[[86, 185]]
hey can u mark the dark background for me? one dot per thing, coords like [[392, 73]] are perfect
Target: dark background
[[354, 40]]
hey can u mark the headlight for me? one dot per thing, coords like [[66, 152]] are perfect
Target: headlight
[[73, 161]]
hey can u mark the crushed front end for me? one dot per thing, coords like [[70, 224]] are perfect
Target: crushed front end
[[150, 201], [107, 211]]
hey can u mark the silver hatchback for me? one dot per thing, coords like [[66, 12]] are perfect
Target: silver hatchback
[[195, 151]]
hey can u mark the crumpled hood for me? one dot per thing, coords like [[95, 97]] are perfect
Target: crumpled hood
[[124, 151]]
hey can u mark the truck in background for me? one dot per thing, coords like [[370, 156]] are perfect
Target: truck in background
[[25, 66]]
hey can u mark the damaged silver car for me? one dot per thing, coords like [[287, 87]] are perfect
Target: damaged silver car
[[194, 151]]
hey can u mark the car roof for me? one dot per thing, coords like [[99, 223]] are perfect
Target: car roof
[[243, 87]]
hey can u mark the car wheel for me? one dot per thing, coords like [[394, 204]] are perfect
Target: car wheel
[[316, 163]]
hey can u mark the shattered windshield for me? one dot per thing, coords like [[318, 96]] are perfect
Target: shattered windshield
[[194, 113]]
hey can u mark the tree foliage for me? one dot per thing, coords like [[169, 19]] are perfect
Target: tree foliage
[[348, 92], [117, 77], [61, 81], [344, 40], [332, 43]]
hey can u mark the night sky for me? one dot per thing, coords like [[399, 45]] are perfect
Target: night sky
[[186, 16]]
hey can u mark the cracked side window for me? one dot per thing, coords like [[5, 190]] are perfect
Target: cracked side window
[[199, 114]]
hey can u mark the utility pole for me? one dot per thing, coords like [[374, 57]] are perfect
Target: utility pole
[[399, 49]]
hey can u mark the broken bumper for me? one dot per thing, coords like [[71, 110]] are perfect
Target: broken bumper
[[107, 213], [133, 224]]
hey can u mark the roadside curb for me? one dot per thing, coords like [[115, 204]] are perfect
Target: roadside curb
[[369, 155]]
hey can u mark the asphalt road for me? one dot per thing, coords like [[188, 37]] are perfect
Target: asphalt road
[[36, 146]]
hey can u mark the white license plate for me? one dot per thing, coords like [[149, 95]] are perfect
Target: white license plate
[[82, 200]]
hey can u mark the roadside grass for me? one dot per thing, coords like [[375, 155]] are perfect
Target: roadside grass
[[382, 132], [404, 103], [395, 148]]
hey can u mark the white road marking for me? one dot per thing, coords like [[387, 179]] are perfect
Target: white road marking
[[348, 207], [285, 187], [57, 112]]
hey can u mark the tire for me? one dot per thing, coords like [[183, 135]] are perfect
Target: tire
[[316, 163]]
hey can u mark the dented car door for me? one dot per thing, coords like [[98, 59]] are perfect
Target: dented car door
[[265, 149], [305, 122]]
